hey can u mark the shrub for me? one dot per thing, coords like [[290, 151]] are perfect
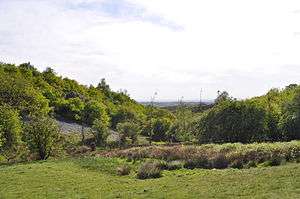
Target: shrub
[[112, 141], [219, 162], [217, 156], [163, 165], [10, 128], [20, 153], [174, 165], [79, 150], [2, 159], [128, 130], [274, 161], [197, 163], [42, 134], [100, 130], [190, 164], [249, 165], [123, 170], [236, 164], [149, 169], [232, 121]]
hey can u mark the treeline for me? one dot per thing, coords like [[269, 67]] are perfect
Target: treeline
[[31, 101], [272, 117]]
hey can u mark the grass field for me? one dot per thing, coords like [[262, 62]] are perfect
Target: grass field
[[96, 178]]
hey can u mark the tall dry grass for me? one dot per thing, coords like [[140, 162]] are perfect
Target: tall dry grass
[[234, 155]]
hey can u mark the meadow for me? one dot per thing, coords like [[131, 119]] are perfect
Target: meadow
[[62, 139], [96, 178], [96, 174], [73, 178]]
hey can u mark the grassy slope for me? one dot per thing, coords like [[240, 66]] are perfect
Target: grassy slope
[[93, 179]]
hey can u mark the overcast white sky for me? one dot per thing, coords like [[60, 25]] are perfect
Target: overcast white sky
[[174, 47]]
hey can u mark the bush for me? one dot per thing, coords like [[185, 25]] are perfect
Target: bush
[[219, 162], [112, 141], [236, 164], [128, 130], [100, 130], [41, 135], [197, 163], [149, 169], [79, 150], [249, 165], [274, 161], [217, 156], [123, 170], [2, 159], [232, 121], [174, 165], [10, 128], [20, 153]]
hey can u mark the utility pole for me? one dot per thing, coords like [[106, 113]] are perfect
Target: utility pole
[[151, 115], [201, 96], [200, 102]]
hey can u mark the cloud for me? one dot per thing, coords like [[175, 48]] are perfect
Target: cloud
[[122, 10], [175, 47]]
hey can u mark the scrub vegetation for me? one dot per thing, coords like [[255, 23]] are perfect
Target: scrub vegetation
[[122, 149]]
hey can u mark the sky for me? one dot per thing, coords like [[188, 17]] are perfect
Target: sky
[[172, 47]]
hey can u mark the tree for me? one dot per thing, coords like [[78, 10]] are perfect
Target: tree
[[157, 123], [160, 128], [94, 110], [222, 96], [232, 121], [124, 114], [101, 131], [182, 127], [128, 129], [71, 109], [290, 120], [103, 85], [41, 135], [10, 128], [22, 96]]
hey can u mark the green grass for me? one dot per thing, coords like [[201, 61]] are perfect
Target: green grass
[[96, 178]]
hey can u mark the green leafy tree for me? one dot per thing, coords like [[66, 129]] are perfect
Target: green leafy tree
[[41, 135], [290, 120], [10, 128], [222, 96], [124, 114], [157, 123], [21, 95], [181, 129], [103, 86], [94, 110], [101, 130], [232, 121], [71, 109], [160, 129], [128, 130]]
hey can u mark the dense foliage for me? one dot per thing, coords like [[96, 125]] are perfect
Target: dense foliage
[[272, 117], [30, 99], [10, 128], [41, 134], [27, 95], [232, 121]]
